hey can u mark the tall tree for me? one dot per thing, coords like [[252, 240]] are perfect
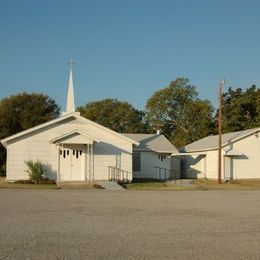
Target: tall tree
[[119, 116], [22, 111], [179, 113], [241, 109]]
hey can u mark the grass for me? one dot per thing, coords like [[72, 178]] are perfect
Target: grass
[[28, 186], [4, 184], [199, 184], [155, 186], [232, 185]]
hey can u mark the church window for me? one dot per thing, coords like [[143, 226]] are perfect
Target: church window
[[68, 152], [77, 154], [80, 152], [73, 152], [64, 154]]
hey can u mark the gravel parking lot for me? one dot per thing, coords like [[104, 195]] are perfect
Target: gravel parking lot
[[99, 224]]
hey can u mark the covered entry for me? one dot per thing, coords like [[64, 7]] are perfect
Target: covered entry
[[75, 156]]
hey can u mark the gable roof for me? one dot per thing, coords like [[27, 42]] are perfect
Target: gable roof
[[153, 142], [64, 136], [62, 118], [211, 142]]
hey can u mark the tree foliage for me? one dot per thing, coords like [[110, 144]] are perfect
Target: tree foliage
[[241, 109], [116, 115], [22, 111], [179, 113]]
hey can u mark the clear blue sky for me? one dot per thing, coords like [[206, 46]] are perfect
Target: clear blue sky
[[127, 49]]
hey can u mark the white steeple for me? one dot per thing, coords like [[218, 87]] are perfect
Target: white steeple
[[70, 95], [70, 107]]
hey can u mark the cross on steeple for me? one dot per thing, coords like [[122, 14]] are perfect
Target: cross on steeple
[[71, 62]]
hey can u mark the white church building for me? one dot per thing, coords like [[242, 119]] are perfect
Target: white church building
[[73, 148]]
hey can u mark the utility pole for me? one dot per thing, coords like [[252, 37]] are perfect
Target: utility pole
[[221, 84]]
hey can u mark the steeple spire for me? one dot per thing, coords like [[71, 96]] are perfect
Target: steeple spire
[[70, 95]]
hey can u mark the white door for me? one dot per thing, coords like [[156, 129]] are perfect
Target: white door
[[228, 168], [71, 163]]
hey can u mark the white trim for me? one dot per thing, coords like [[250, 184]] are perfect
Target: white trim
[[76, 116], [188, 153], [71, 133]]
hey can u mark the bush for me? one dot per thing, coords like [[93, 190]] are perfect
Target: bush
[[35, 171]]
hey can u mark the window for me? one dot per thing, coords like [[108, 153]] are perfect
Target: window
[[136, 161], [161, 157]]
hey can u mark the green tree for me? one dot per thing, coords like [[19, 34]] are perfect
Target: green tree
[[241, 109], [179, 113], [22, 111], [119, 116]]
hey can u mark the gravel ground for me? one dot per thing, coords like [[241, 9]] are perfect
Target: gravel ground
[[99, 224]]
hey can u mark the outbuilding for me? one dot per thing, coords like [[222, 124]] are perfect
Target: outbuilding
[[240, 156]]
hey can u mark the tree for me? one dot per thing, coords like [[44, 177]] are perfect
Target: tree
[[241, 109], [179, 113], [119, 116], [22, 111]]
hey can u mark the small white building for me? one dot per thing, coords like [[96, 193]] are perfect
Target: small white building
[[152, 157], [73, 148], [240, 156]]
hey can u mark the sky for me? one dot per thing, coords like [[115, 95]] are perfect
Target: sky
[[127, 49]]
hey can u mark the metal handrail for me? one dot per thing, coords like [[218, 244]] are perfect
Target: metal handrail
[[117, 174], [162, 173]]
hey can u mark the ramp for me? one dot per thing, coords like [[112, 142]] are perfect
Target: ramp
[[110, 185]]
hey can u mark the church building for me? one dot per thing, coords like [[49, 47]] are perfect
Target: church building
[[73, 148]]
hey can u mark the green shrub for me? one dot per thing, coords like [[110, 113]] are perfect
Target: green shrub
[[35, 171]]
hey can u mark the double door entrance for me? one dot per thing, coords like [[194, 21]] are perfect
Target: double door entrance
[[72, 159]]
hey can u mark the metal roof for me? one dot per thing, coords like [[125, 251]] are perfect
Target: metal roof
[[153, 142], [211, 142]]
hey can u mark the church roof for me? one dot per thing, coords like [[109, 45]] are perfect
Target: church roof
[[153, 142], [63, 118]]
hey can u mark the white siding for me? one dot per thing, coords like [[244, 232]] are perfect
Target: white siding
[[36, 146], [150, 160], [246, 166]]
